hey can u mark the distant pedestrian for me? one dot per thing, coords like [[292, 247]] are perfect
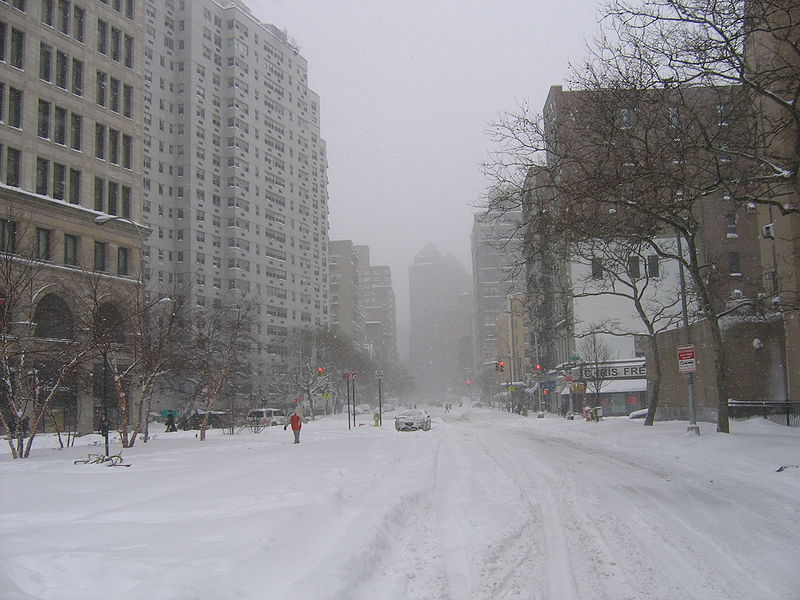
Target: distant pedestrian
[[296, 421], [170, 422]]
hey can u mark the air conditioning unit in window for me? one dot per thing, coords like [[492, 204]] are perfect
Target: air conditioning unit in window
[[768, 231]]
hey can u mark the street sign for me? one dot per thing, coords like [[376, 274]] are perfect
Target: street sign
[[686, 359], [378, 374]]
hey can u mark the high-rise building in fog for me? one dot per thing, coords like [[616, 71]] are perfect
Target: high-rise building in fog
[[346, 313], [376, 298], [235, 184], [439, 286], [496, 274]]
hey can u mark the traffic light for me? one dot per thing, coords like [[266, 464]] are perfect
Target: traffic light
[[496, 366], [545, 391], [469, 382], [502, 365], [539, 368], [321, 371]]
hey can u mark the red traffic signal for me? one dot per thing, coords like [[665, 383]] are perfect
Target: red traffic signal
[[321, 370], [502, 365], [469, 382], [538, 367]]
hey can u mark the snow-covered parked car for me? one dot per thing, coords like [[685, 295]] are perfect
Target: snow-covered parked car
[[638, 414], [412, 420], [267, 417]]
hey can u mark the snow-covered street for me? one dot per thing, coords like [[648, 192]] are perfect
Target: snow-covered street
[[486, 505]]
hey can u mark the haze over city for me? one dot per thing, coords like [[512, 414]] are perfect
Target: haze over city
[[399, 299], [408, 91]]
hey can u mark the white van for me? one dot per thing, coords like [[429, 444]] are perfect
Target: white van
[[267, 417]]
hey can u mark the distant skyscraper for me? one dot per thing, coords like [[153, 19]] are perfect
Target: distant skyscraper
[[377, 300], [235, 184], [496, 274], [346, 313], [438, 285]]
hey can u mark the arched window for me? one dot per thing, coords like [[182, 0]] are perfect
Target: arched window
[[53, 319]]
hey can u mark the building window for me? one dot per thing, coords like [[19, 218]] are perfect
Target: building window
[[15, 107], [79, 21], [128, 60], [102, 36], [127, 150], [74, 186], [653, 266], [113, 146], [45, 62], [734, 264], [99, 256], [70, 249], [13, 166], [127, 193], [60, 126], [42, 243], [127, 100], [47, 12], [61, 70], [730, 225], [101, 88], [597, 268], [77, 77], [42, 176], [76, 131], [43, 130], [17, 51], [99, 194], [63, 16], [123, 262], [100, 141], [114, 94], [113, 198], [634, 267], [8, 236], [116, 44], [59, 181]]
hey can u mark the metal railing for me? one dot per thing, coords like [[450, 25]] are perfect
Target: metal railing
[[783, 413]]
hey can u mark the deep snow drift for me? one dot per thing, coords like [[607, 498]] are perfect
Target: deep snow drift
[[486, 505]]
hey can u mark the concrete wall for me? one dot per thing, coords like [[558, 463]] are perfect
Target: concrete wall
[[754, 373]]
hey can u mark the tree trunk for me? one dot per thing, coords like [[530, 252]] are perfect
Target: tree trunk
[[655, 392]]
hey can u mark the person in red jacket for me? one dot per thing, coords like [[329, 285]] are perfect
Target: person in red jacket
[[297, 423]]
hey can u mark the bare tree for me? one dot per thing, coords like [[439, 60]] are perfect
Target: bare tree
[[317, 358], [595, 356], [675, 117], [217, 349], [41, 349], [625, 269], [158, 347]]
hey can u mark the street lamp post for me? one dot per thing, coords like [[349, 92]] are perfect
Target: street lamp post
[[101, 220], [104, 391]]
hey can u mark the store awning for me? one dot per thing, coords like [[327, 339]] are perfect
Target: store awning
[[616, 386]]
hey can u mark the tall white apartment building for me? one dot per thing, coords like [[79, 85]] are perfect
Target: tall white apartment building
[[235, 171]]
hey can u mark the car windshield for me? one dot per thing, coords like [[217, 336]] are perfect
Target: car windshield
[[411, 413]]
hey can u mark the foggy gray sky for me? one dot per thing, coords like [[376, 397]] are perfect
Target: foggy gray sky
[[407, 89]]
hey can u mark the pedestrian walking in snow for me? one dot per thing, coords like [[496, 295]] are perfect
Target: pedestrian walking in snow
[[296, 421], [170, 422]]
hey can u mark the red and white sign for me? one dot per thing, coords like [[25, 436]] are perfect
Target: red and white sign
[[686, 359]]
